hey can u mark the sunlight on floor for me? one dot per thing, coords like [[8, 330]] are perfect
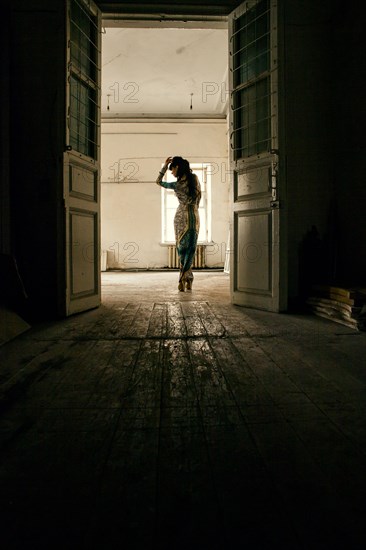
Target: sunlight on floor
[[158, 285]]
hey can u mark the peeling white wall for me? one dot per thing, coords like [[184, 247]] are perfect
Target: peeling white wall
[[132, 154]]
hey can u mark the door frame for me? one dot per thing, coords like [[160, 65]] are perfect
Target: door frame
[[279, 160]]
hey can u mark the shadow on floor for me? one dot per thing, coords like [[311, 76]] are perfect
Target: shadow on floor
[[169, 421]]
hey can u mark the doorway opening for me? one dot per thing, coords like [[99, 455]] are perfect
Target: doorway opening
[[163, 93], [161, 97]]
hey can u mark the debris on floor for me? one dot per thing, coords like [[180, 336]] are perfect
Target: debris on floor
[[11, 325], [343, 305], [12, 300]]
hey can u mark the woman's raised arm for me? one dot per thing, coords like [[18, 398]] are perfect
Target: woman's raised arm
[[159, 179]]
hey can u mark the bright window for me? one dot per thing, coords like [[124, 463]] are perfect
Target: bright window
[[170, 205]]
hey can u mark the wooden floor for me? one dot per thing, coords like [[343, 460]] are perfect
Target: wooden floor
[[166, 420]]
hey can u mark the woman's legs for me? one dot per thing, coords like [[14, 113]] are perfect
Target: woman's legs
[[186, 245], [186, 251]]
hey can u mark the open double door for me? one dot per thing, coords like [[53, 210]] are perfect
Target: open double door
[[257, 270]]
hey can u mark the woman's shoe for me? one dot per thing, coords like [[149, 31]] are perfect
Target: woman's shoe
[[181, 286], [189, 285]]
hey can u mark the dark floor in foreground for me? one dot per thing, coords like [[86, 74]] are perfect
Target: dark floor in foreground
[[170, 421]]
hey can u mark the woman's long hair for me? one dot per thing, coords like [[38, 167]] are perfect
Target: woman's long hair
[[185, 170]]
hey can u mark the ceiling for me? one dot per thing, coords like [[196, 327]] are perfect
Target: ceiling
[[154, 71], [191, 7]]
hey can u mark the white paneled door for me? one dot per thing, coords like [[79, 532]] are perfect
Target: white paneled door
[[257, 270], [82, 157]]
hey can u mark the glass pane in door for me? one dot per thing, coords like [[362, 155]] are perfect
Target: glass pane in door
[[83, 79], [252, 119]]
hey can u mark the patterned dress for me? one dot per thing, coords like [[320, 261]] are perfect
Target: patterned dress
[[186, 222]]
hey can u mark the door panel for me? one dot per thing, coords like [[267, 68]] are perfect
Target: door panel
[[251, 182], [253, 258], [256, 212], [82, 210], [82, 157], [83, 182], [83, 226]]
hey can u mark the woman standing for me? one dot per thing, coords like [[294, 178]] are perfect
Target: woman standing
[[186, 221]]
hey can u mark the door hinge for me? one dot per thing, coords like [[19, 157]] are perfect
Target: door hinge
[[274, 204]]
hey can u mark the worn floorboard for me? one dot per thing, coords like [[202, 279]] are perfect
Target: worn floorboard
[[171, 421]]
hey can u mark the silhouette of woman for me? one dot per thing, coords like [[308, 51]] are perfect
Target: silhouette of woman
[[186, 221]]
